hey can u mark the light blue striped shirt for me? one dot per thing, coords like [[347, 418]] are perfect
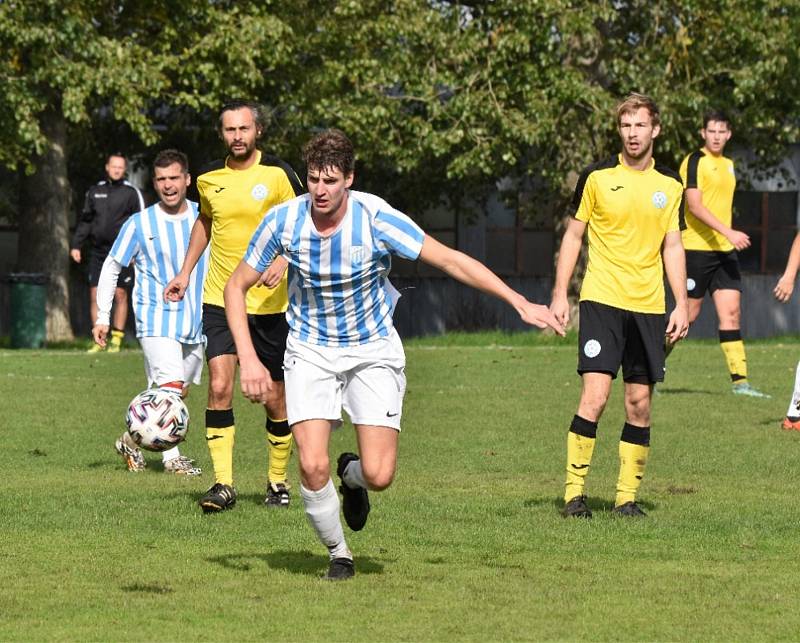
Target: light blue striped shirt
[[157, 243], [338, 286]]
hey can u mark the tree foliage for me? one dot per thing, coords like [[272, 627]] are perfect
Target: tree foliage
[[441, 98]]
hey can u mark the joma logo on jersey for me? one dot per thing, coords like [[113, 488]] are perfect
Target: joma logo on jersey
[[357, 255], [659, 200]]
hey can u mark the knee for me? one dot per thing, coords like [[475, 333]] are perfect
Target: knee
[[315, 471], [378, 478], [592, 406], [637, 408], [220, 391]]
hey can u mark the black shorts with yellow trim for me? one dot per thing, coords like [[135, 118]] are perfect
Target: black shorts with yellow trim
[[611, 337], [268, 333], [707, 271]]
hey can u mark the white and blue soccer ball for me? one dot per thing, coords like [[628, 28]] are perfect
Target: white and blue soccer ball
[[157, 420]]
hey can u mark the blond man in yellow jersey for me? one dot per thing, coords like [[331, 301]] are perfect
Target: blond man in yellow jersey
[[711, 243], [234, 195], [631, 207]]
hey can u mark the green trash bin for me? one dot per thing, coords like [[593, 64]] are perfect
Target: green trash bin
[[28, 309]]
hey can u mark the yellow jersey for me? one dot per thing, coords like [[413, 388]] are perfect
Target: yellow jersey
[[715, 178], [628, 213], [235, 201]]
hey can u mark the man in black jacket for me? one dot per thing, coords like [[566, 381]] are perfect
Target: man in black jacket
[[107, 206]]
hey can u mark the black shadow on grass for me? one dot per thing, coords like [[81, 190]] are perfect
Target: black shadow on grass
[[296, 562], [595, 504], [681, 391]]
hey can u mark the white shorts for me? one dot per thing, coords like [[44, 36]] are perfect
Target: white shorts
[[368, 381], [168, 360]]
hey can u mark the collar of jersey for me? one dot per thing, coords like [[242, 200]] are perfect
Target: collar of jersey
[[635, 171]]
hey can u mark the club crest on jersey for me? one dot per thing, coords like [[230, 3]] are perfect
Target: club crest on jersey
[[259, 192], [659, 200], [357, 255], [591, 348]]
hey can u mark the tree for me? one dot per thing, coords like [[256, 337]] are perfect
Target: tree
[[63, 62]]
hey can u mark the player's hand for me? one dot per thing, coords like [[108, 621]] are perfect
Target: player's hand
[[783, 289], [740, 240], [560, 309], [272, 276], [99, 333], [176, 288], [678, 325], [540, 316], [255, 380], [75, 255]]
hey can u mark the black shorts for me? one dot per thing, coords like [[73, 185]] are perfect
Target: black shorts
[[710, 271], [611, 337], [268, 333], [96, 262]]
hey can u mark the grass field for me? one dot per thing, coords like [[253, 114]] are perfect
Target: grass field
[[467, 544]]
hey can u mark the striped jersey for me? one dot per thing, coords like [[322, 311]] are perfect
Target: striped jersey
[[338, 288], [157, 244]]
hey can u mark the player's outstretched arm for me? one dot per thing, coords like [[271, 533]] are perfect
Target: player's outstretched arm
[[198, 241], [106, 285], [473, 273], [567, 259], [254, 378], [694, 201], [785, 286], [675, 267]]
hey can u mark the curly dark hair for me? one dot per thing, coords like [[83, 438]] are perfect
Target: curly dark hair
[[330, 149]]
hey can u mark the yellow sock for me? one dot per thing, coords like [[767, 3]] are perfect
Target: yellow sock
[[730, 341], [220, 437], [279, 444], [580, 446], [115, 341], [634, 449]]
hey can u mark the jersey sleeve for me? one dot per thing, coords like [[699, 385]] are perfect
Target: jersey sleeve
[[126, 245], [583, 200], [690, 171], [265, 243], [397, 232], [199, 195], [677, 221], [84, 221], [106, 285]]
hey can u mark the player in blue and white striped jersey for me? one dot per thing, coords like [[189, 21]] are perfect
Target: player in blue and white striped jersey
[[343, 350], [170, 333]]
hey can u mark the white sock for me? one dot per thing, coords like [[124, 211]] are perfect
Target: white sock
[[169, 454], [322, 511], [794, 405], [353, 476]]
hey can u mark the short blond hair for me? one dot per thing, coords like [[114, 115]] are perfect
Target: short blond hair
[[633, 102]]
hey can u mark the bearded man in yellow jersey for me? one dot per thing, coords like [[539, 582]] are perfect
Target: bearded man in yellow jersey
[[711, 244], [632, 208], [234, 195]]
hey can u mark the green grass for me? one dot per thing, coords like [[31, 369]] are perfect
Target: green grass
[[466, 545]]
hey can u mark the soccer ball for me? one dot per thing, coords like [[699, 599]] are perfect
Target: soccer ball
[[157, 420]]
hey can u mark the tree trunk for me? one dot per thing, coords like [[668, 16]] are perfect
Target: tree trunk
[[43, 244]]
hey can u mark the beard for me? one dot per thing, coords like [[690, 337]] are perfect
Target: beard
[[248, 150]]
